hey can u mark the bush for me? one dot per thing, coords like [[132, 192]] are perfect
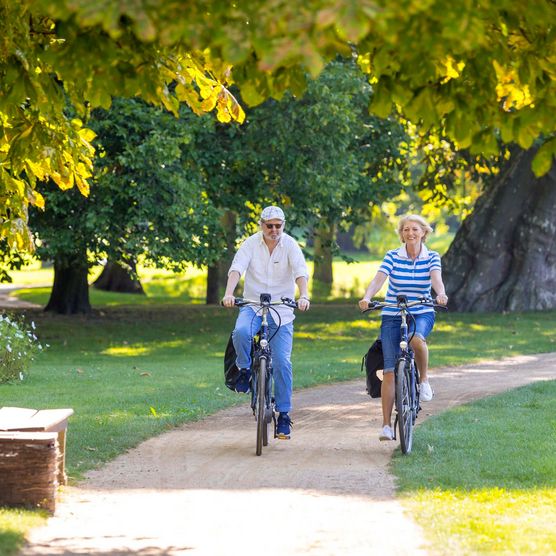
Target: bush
[[18, 347]]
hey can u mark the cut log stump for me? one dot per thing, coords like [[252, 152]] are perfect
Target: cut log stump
[[32, 456], [29, 463]]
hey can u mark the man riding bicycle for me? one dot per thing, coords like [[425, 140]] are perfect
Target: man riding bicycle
[[273, 263]]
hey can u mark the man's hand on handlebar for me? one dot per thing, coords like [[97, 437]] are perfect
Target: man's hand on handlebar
[[303, 303], [228, 301]]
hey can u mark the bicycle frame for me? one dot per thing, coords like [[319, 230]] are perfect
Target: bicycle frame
[[407, 395], [262, 402], [406, 377], [262, 352]]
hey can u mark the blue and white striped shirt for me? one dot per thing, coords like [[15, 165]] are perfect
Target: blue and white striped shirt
[[408, 277]]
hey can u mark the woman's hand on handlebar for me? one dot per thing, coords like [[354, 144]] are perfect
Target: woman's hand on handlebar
[[442, 299], [228, 301], [364, 304]]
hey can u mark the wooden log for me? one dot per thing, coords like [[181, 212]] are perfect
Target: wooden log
[[29, 469], [46, 420]]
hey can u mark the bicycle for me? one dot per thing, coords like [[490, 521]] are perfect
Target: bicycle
[[262, 401], [406, 375]]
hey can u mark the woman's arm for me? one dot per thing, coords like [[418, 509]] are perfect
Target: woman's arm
[[373, 288], [438, 285]]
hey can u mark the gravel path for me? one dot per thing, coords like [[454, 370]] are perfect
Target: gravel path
[[200, 490], [8, 301]]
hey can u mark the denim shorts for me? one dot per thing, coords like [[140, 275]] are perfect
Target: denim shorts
[[390, 335]]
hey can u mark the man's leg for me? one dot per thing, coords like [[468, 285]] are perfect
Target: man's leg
[[281, 346], [247, 325]]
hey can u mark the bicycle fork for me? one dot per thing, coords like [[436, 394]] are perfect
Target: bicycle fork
[[405, 356], [265, 353]]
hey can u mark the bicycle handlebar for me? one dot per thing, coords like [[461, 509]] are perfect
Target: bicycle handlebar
[[241, 302], [427, 301]]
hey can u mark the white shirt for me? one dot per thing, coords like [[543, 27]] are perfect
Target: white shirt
[[274, 274]]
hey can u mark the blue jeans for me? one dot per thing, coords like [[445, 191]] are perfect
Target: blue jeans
[[247, 325], [390, 335]]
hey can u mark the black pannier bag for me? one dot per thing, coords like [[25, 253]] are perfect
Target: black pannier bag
[[231, 371], [372, 362]]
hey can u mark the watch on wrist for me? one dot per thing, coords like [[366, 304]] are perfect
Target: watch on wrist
[[304, 297]]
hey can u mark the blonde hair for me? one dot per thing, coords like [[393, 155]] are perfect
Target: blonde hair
[[414, 218]]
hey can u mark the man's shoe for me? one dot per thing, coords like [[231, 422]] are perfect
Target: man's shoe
[[283, 428], [426, 393], [386, 433], [243, 383]]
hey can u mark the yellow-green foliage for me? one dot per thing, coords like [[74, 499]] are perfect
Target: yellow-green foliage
[[14, 525]]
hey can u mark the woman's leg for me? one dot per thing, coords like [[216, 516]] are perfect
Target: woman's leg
[[387, 392], [390, 337], [421, 351], [423, 326]]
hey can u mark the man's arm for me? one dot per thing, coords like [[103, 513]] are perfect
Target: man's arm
[[233, 279], [303, 302]]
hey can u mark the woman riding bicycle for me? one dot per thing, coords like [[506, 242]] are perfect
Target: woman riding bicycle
[[411, 270]]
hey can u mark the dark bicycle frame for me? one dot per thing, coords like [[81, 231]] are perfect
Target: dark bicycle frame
[[405, 363], [262, 353]]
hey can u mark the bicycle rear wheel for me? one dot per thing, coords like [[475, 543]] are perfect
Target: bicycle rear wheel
[[403, 406], [262, 424]]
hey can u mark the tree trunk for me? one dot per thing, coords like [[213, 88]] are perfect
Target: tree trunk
[[70, 291], [217, 274], [346, 243], [322, 273], [503, 257], [213, 284], [117, 278]]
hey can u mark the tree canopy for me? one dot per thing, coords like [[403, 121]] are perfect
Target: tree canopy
[[477, 70]]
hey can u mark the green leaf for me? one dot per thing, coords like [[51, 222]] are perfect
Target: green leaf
[[544, 158], [381, 103], [525, 135], [353, 24], [250, 94]]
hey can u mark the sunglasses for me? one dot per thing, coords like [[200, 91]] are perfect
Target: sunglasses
[[270, 226]]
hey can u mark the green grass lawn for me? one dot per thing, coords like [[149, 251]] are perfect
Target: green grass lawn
[[482, 477], [350, 282], [131, 372]]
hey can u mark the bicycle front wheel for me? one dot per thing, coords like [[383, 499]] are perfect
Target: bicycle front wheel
[[414, 377], [403, 406], [262, 424]]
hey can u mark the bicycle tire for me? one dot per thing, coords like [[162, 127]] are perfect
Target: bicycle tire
[[415, 389], [269, 404], [403, 406], [262, 425]]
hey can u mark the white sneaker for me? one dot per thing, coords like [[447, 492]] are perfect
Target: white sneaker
[[386, 433], [426, 393]]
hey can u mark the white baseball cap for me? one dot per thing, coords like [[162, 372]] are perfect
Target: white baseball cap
[[272, 212]]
